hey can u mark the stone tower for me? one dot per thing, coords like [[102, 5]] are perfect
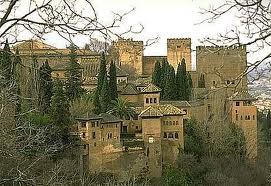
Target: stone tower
[[177, 49], [244, 114], [223, 66], [130, 54]]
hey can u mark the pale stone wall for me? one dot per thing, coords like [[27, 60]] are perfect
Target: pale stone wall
[[151, 99], [130, 53], [177, 49], [246, 118], [222, 66]]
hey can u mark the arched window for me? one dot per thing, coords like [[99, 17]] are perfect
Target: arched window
[[176, 135]]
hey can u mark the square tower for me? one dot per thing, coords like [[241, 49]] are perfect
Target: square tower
[[130, 54], [177, 49]]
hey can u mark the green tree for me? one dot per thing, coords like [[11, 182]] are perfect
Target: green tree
[[169, 92], [102, 73], [59, 111], [73, 74], [122, 108], [157, 73], [183, 85], [96, 102], [45, 87], [113, 81], [6, 63], [189, 86], [105, 96], [193, 139]]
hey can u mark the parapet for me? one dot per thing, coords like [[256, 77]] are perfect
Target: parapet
[[178, 40], [213, 48], [127, 42]]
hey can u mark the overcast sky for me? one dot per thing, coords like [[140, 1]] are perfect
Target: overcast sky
[[161, 18]]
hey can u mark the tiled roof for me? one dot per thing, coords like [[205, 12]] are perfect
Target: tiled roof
[[151, 88], [129, 89], [33, 44], [242, 96], [109, 118], [161, 110], [151, 112], [176, 103]]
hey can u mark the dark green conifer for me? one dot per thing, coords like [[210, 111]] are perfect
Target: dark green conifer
[[102, 72], [113, 82], [156, 75], [45, 87], [59, 111], [104, 97], [74, 76], [96, 103]]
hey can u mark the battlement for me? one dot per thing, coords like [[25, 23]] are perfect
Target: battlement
[[178, 40], [213, 48], [127, 42]]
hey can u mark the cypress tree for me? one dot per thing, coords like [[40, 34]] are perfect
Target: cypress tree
[[96, 103], [113, 81], [59, 111], [74, 76], [183, 82], [189, 86], [178, 82], [45, 87], [104, 96], [169, 88], [156, 75], [102, 73], [6, 65]]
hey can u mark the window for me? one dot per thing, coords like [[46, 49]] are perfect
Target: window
[[213, 83], [177, 122], [237, 103], [176, 135], [235, 111], [83, 135], [185, 111], [228, 82], [147, 100], [154, 100], [253, 117], [170, 122], [93, 135], [164, 122], [236, 117], [165, 135], [136, 127], [174, 122], [150, 100], [83, 124], [97, 123], [248, 117], [109, 135], [170, 135], [85, 146], [95, 144], [241, 117], [93, 124]]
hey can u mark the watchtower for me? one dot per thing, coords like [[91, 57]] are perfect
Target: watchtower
[[177, 49]]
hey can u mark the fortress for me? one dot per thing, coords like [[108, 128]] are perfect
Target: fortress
[[157, 124]]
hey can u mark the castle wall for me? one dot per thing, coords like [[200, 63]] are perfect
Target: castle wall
[[130, 54], [222, 66], [177, 49], [149, 63]]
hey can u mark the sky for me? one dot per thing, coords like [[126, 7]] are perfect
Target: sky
[[160, 18]]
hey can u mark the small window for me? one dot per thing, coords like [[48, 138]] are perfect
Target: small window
[[248, 117], [174, 122], [177, 123], [85, 146], [236, 117], [136, 127], [155, 100], [93, 135], [95, 144], [111, 135], [83, 124], [116, 125], [185, 111], [165, 135], [164, 122], [235, 111], [147, 100], [170, 122], [214, 83], [237, 103], [170, 135], [253, 117], [241, 117], [176, 135], [150, 100], [97, 124], [93, 124], [83, 135]]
